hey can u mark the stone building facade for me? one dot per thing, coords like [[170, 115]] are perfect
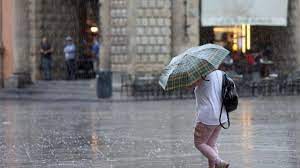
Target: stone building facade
[[138, 36], [147, 50], [141, 36]]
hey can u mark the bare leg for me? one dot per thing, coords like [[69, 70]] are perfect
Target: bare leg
[[202, 135], [212, 141]]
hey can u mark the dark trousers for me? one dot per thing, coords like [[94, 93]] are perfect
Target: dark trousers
[[71, 69], [46, 68]]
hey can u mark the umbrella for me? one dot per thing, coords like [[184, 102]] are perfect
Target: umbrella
[[191, 65]]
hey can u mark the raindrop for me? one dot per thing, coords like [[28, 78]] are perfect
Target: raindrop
[[6, 123]]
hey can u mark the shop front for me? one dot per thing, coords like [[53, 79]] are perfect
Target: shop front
[[245, 27]]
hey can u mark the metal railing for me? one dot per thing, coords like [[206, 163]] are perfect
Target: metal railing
[[150, 90]]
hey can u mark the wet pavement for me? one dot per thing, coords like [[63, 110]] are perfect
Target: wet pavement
[[69, 128]]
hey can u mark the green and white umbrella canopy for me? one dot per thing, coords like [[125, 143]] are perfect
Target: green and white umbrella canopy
[[191, 65]]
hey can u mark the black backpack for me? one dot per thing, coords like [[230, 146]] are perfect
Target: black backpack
[[230, 98]]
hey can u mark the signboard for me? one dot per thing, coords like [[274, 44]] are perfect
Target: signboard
[[237, 12]]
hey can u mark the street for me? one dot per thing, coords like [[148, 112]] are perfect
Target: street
[[109, 83], [67, 131]]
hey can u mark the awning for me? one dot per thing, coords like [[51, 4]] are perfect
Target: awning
[[237, 12]]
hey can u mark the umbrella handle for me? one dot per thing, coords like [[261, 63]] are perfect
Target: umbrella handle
[[203, 78]]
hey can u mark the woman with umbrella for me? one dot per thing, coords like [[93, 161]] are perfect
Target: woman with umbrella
[[197, 68]]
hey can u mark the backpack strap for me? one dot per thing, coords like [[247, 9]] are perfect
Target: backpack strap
[[222, 105], [228, 120]]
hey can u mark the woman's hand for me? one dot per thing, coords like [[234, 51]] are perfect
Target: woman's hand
[[197, 83]]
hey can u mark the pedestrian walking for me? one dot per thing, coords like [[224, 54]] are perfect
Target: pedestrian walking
[[46, 59], [208, 106], [196, 69], [70, 56], [95, 52]]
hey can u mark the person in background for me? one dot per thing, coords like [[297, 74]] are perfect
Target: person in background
[[70, 56], [227, 63], [240, 62], [250, 61], [46, 59], [95, 52], [250, 58], [267, 52]]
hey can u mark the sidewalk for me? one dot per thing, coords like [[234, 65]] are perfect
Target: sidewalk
[[81, 90], [77, 90]]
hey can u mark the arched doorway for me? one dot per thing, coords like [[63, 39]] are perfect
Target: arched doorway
[[58, 19]]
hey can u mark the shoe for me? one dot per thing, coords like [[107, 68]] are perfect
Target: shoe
[[222, 164]]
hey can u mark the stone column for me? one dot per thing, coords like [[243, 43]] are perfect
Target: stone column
[[185, 25], [1, 49], [104, 75], [106, 36], [20, 44], [131, 30], [297, 31], [35, 5], [297, 41]]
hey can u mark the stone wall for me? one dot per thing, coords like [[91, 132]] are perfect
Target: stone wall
[[140, 35], [153, 35], [119, 31]]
